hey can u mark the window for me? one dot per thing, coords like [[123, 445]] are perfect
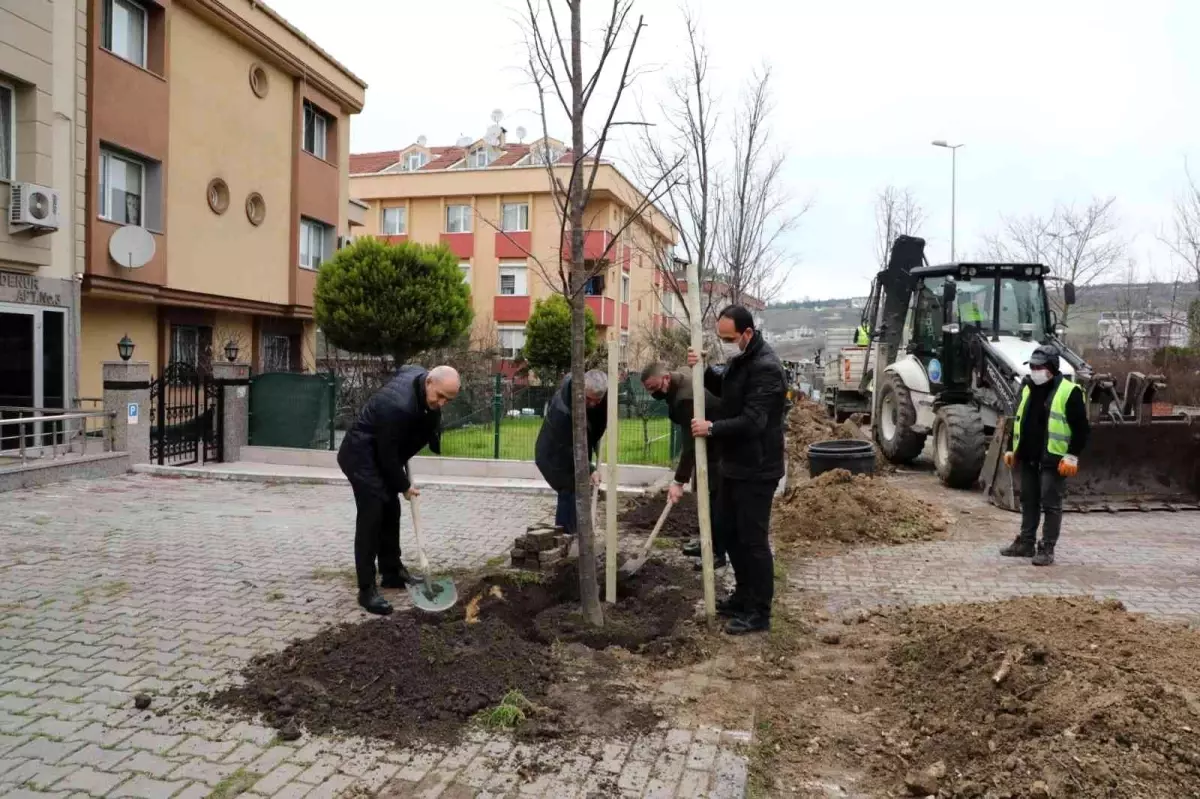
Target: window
[[545, 153], [512, 342], [479, 158], [625, 288], [8, 133], [316, 243], [513, 280], [515, 216], [668, 301], [395, 221], [185, 344], [458, 219], [277, 353], [623, 356], [465, 269], [122, 187], [316, 127], [594, 287], [414, 161], [125, 30]]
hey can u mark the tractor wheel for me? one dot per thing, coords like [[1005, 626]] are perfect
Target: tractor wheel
[[959, 445], [894, 428]]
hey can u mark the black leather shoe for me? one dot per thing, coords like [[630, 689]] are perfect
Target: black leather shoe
[[747, 623], [1045, 554], [1019, 548], [719, 563], [401, 579], [691, 549], [730, 607], [372, 602]]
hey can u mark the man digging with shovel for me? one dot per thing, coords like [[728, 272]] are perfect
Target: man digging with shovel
[[553, 453], [395, 424]]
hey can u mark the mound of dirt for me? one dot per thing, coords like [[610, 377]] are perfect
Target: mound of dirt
[[1046, 698], [420, 676], [808, 423], [642, 514], [838, 506]]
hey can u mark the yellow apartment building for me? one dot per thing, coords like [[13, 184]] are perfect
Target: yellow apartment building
[[218, 155], [492, 205]]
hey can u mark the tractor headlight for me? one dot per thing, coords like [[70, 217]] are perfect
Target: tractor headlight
[[972, 271]]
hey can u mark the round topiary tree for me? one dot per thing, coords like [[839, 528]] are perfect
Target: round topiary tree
[[548, 338], [392, 299]]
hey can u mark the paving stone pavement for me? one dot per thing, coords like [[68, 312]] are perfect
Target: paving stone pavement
[[167, 586], [1150, 561]]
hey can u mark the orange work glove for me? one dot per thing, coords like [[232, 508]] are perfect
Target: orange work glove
[[1068, 466], [1009, 459]]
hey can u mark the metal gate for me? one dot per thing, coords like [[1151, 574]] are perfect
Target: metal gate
[[187, 407]]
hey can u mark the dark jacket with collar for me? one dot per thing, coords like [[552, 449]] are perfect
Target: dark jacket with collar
[[753, 392], [679, 396], [1032, 448], [553, 452], [394, 425]]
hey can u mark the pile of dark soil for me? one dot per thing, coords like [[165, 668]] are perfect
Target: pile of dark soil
[[808, 423], [1047, 697], [415, 675], [851, 509], [642, 514]]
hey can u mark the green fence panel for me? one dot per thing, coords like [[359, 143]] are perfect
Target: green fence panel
[[292, 410]]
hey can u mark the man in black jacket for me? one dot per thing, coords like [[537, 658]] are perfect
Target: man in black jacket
[[1050, 431], [753, 392], [675, 389], [395, 424], [553, 452]]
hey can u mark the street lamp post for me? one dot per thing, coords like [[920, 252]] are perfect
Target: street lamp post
[[953, 148]]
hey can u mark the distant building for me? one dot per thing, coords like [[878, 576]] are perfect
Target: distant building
[[1140, 332]]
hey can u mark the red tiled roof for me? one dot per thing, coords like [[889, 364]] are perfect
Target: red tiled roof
[[512, 154], [444, 158], [363, 163], [440, 158]]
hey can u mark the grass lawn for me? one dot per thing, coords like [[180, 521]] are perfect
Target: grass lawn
[[518, 436]]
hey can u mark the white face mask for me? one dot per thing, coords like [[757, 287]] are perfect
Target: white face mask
[[1040, 377], [730, 349]]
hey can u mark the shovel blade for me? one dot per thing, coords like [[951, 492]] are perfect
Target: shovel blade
[[434, 596], [631, 567]]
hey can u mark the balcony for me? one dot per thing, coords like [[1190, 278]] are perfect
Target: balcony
[[515, 244], [604, 309], [595, 244], [461, 244], [624, 316], [510, 309], [626, 258]]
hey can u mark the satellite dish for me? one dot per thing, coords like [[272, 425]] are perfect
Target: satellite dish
[[520, 134], [421, 140], [497, 115], [492, 136], [131, 246], [463, 141]]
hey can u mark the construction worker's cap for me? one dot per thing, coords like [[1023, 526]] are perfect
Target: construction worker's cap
[[1045, 355]]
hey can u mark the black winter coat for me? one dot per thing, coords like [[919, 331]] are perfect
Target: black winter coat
[[553, 453], [394, 425], [753, 392], [679, 410]]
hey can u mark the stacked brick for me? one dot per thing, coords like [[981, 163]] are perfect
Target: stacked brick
[[539, 549]]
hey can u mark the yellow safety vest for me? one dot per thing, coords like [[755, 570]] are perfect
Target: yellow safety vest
[[970, 312], [862, 336], [1058, 432]]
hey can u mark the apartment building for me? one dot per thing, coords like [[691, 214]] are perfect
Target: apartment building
[[43, 135], [218, 152], [491, 204]]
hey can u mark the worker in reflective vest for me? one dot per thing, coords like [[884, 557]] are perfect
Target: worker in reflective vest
[[1049, 432], [862, 337], [969, 311]]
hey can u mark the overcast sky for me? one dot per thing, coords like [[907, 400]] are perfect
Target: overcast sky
[[1054, 100]]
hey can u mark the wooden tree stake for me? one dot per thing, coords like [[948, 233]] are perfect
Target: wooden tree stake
[[706, 549], [613, 434]]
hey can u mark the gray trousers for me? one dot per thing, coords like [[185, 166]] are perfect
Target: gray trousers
[[1042, 490]]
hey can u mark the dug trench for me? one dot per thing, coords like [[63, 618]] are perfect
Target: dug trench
[[414, 676]]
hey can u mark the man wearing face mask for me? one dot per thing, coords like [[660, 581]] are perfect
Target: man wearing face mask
[[1050, 431], [554, 454], [753, 392], [675, 389]]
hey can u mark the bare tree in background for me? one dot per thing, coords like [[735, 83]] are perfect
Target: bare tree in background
[[897, 213], [756, 211], [1133, 301], [1184, 235], [1080, 245]]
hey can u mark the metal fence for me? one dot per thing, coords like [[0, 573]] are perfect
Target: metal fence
[[42, 434], [288, 409]]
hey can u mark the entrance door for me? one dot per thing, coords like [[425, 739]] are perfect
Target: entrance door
[[17, 389], [33, 372]]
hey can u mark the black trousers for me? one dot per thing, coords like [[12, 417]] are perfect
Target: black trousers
[[719, 537], [1042, 490], [376, 535], [745, 513]]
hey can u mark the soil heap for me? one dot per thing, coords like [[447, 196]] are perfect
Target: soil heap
[[807, 423], [838, 506], [1045, 698], [422, 676]]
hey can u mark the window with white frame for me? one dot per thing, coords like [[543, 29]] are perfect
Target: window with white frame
[[414, 161], [514, 279], [465, 269], [545, 153], [125, 30], [512, 342], [479, 158], [514, 217], [395, 221], [8, 132], [122, 187], [625, 288], [623, 357], [458, 219], [316, 243], [316, 130]]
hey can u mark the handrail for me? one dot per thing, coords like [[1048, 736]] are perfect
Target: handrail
[[64, 417]]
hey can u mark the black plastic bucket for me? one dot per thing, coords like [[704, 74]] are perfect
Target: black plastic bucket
[[854, 455]]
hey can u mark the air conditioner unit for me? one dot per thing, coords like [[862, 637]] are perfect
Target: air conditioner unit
[[32, 207], [345, 241]]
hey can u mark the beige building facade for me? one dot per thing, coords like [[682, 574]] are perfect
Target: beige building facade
[[220, 136], [43, 135]]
